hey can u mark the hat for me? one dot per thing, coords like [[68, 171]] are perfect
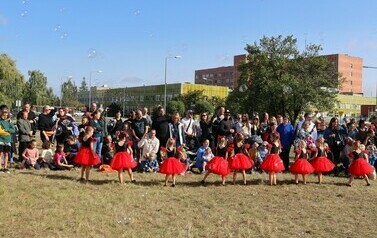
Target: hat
[[227, 111], [190, 111]]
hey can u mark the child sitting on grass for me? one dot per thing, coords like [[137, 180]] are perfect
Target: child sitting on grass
[[46, 155], [151, 163], [71, 149], [30, 156], [59, 158]]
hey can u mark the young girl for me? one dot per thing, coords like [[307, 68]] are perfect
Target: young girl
[[59, 158], [170, 165], [123, 159], [86, 156], [218, 164], [301, 164], [359, 164], [239, 160], [30, 156], [320, 162], [273, 164], [46, 157]]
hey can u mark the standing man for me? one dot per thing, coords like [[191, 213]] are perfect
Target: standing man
[[189, 123], [139, 128], [287, 135], [161, 125], [146, 116], [46, 123], [226, 126]]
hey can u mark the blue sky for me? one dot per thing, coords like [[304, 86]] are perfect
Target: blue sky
[[128, 40]]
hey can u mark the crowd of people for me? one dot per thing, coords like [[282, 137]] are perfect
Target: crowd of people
[[213, 144]]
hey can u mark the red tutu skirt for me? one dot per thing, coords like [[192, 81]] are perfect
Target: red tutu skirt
[[172, 165], [240, 162], [123, 160], [301, 166], [272, 163], [86, 157], [322, 164], [218, 165], [360, 167]]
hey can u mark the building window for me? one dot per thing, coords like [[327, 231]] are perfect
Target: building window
[[351, 66], [350, 74], [351, 82]]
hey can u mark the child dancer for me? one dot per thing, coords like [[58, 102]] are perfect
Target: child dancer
[[273, 164], [30, 156], [123, 159], [219, 164], [320, 162], [359, 164], [240, 160], [59, 158], [86, 157], [301, 164], [170, 165]]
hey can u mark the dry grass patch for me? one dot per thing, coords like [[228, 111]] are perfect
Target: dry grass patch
[[55, 204]]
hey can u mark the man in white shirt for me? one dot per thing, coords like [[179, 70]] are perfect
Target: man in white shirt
[[148, 144], [189, 128], [312, 128]]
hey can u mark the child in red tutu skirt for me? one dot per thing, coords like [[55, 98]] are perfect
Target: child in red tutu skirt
[[359, 165], [320, 162], [218, 164], [122, 159], [301, 164], [239, 159], [86, 157], [273, 163], [170, 164]]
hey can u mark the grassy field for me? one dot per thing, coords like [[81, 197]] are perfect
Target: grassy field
[[55, 204]]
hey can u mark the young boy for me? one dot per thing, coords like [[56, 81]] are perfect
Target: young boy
[[5, 137], [151, 163]]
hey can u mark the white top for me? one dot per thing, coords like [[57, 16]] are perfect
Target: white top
[[188, 126], [148, 145]]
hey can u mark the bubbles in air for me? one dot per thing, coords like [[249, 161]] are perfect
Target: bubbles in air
[[64, 35], [92, 53], [137, 12], [57, 27], [24, 13]]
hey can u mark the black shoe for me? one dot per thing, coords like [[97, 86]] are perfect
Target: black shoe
[[173, 185], [349, 185], [6, 171], [202, 182], [368, 184], [133, 181]]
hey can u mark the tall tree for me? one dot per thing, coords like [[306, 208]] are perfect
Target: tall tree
[[84, 86], [12, 82], [36, 91], [190, 98], [69, 94], [279, 79]]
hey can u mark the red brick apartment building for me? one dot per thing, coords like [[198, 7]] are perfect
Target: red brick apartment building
[[351, 68]]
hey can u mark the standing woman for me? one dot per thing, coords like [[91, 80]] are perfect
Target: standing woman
[[334, 137], [98, 128], [176, 131], [246, 126], [206, 129]]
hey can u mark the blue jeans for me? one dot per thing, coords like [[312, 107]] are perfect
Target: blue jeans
[[97, 146]]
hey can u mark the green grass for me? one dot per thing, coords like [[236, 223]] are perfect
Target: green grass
[[55, 204]]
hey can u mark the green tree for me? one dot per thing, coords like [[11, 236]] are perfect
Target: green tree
[[84, 86], [279, 79], [69, 93], [203, 106], [175, 106], [12, 82], [190, 98], [36, 91]]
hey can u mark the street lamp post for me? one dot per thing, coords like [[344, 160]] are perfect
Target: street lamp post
[[166, 66], [372, 67], [61, 89], [90, 85]]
